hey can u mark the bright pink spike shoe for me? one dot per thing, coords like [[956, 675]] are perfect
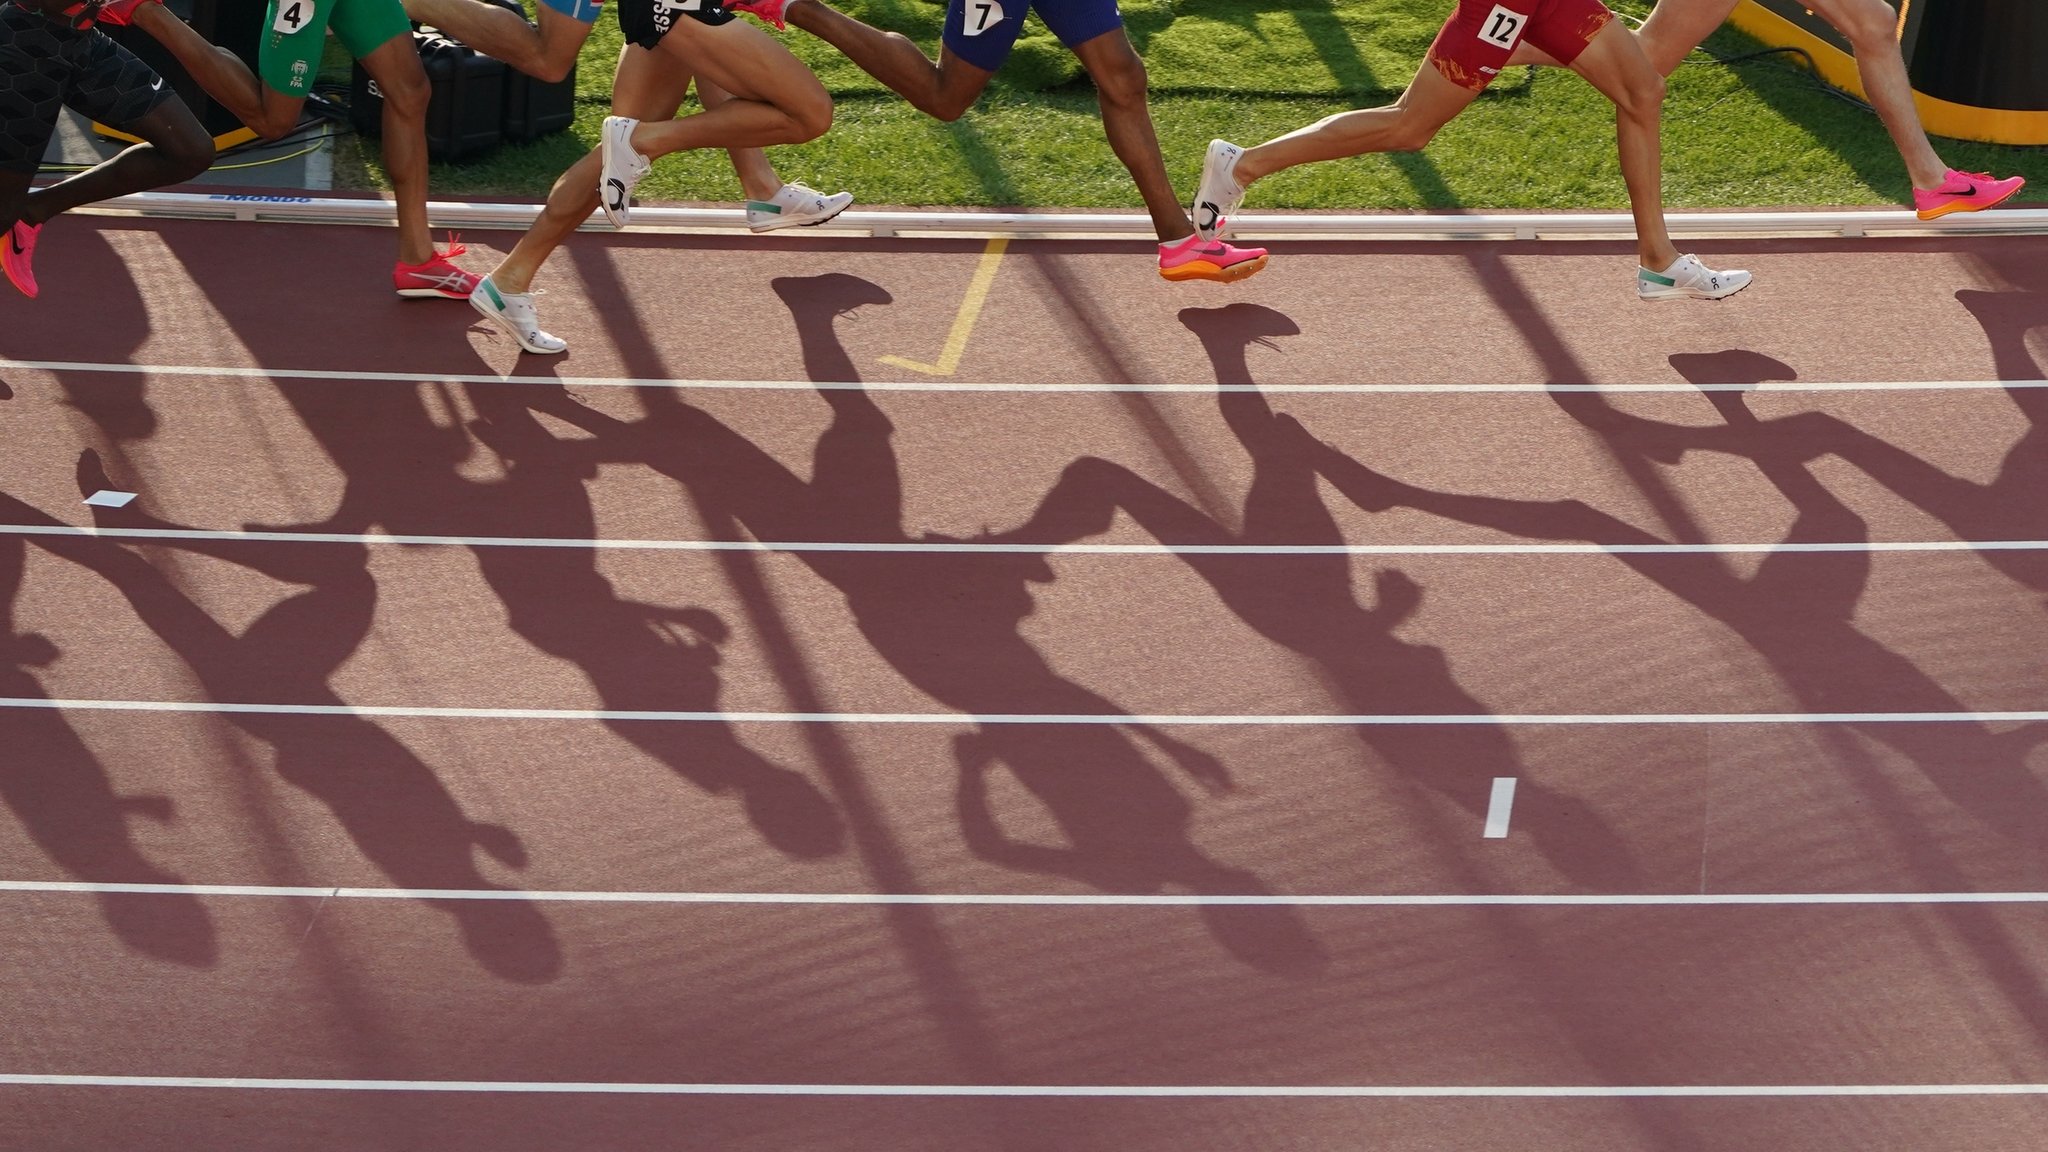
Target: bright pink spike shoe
[[1197, 259], [766, 11], [16, 255], [436, 277], [119, 12], [1965, 192]]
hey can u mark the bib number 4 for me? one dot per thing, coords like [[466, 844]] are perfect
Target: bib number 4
[[291, 16], [980, 16], [1502, 27]]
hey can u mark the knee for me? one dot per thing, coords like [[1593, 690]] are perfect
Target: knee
[[813, 117], [1411, 134], [406, 94], [1870, 25], [1643, 95], [546, 67], [1122, 84]]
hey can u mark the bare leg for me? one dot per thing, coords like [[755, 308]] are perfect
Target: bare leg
[[758, 178], [395, 66], [268, 112], [1617, 67], [649, 86], [545, 51], [1871, 27], [175, 148], [944, 90], [775, 99], [1119, 77], [1403, 126]]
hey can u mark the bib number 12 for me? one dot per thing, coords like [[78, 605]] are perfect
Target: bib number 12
[[1502, 27]]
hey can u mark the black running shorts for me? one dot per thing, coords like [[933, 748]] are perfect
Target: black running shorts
[[46, 64], [645, 22]]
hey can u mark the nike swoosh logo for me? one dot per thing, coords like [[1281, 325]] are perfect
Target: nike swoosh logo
[[1213, 214], [618, 193], [14, 241], [159, 83]]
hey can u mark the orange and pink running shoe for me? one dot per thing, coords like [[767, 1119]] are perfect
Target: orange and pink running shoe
[[16, 255], [1197, 259], [1965, 192], [437, 276], [766, 11]]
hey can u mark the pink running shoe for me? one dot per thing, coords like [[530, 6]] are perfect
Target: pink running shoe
[[16, 255], [119, 12], [1197, 259], [436, 277], [766, 11], [1965, 192]]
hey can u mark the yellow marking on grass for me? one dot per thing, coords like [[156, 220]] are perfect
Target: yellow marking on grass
[[963, 324]]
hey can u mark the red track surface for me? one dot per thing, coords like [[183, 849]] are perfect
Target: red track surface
[[164, 983]]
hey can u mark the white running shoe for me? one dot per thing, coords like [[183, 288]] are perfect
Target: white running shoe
[[623, 168], [795, 206], [1688, 279], [1220, 194], [513, 311]]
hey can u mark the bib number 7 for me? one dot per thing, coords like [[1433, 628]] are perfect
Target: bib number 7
[[980, 16], [1502, 27]]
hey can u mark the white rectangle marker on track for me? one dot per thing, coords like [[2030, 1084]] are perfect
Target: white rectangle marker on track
[[1499, 808]]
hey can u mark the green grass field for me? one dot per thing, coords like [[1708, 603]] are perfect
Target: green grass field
[[1758, 133]]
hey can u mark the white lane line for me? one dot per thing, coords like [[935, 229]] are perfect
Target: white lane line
[[1499, 808], [973, 547], [1049, 899], [1393, 1091], [206, 707], [680, 384]]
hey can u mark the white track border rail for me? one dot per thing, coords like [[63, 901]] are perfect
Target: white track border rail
[[1413, 226]]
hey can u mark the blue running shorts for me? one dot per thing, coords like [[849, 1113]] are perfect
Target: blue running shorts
[[982, 32], [581, 11]]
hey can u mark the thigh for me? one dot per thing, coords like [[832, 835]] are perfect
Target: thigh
[[33, 76], [982, 32], [1561, 29], [649, 85], [745, 61], [1611, 61], [363, 26], [552, 13], [1076, 22], [288, 51], [1477, 40], [109, 85], [1677, 27], [649, 22]]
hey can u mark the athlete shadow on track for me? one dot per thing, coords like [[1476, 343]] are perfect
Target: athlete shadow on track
[[949, 624], [638, 657], [391, 804], [1797, 611], [2013, 505], [1307, 604], [64, 799]]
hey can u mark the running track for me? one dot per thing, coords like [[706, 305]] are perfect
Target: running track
[[579, 764]]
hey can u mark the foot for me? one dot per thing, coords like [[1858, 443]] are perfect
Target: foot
[[513, 311], [795, 206], [623, 168], [16, 255], [1965, 192], [1220, 193], [766, 11], [1688, 279], [119, 12], [1197, 259], [436, 277]]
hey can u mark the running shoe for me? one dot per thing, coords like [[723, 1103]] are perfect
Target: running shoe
[[1688, 279], [766, 11], [623, 168], [1965, 192], [436, 277], [1220, 193], [119, 12], [795, 206], [513, 311], [1198, 259], [16, 255]]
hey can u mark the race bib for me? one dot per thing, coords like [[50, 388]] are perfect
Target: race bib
[[1502, 27], [682, 5], [292, 16], [980, 16]]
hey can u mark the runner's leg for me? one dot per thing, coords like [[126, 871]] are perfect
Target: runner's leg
[[174, 149], [1614, 64], [776, 100], [1120, 84], [1430, 102], [943, 90], [545, 50], [267, 111], [395, 66]]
